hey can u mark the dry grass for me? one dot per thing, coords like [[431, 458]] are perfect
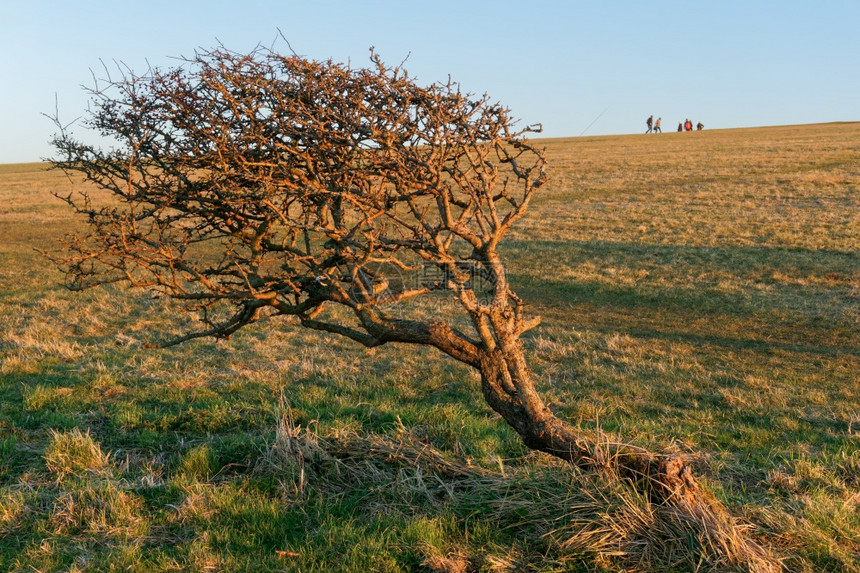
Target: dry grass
[[699, 290], [555, 508], [789, 186], [73, 453]]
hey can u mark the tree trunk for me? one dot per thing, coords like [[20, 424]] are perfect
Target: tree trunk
[[508, 389], [666, 479]]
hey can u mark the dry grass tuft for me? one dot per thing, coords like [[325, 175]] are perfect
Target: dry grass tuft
[[101, 509], [74, 453], [287, 454], [13, 509], [454, 562]]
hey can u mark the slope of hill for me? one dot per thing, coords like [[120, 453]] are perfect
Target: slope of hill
[[700, 289]]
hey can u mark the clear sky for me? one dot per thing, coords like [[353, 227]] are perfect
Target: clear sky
[[597, 67]]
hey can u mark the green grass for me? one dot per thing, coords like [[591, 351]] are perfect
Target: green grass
[[697, 289]]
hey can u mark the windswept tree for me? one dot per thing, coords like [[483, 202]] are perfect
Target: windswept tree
[[251, 186]]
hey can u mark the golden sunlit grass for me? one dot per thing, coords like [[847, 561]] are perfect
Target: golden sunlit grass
[[698, 289]]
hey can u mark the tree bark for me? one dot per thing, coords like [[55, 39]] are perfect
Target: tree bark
[[666, 479], [508, 389]]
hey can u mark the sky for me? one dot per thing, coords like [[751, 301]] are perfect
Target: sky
[[578, 68]]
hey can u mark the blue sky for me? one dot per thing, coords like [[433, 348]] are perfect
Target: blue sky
[[578, 68]]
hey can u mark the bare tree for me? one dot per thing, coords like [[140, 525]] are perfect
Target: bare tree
[[256, 185]]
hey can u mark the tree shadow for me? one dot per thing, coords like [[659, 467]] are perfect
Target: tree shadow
[[754, 298]]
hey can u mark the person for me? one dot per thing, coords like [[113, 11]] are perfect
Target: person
[[657, 128], [700, 126], [680, 126], [649, 122], [688, 125]]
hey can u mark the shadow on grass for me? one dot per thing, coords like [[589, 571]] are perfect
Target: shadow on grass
[[801, 301]]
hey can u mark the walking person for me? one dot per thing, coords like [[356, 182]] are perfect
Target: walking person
[[657, 128], [649, 122], [688, 125]]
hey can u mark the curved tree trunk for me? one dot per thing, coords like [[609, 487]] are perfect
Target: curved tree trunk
[[666, 479], [508, 389]]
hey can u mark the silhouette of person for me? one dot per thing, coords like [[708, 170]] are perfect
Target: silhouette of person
[[700, 126], [649, 122], [680, 126], [657, 128], [688, 125]]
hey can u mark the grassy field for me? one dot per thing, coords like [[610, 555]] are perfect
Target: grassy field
[[699, 290]]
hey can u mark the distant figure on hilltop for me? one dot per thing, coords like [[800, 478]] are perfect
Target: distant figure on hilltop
[[649, 122], [657, 128], [688, 125], [700, 126], [680, 126]]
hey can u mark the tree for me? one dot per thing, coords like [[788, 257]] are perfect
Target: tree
[[249, 186]]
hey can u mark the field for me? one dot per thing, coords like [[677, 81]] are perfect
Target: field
[[699, 291]]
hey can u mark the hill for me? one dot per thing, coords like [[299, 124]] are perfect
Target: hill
[[700, 289]]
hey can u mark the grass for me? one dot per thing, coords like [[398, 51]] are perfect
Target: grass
[[698, 289]]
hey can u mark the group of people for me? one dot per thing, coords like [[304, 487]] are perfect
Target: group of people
[[687, 125]]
